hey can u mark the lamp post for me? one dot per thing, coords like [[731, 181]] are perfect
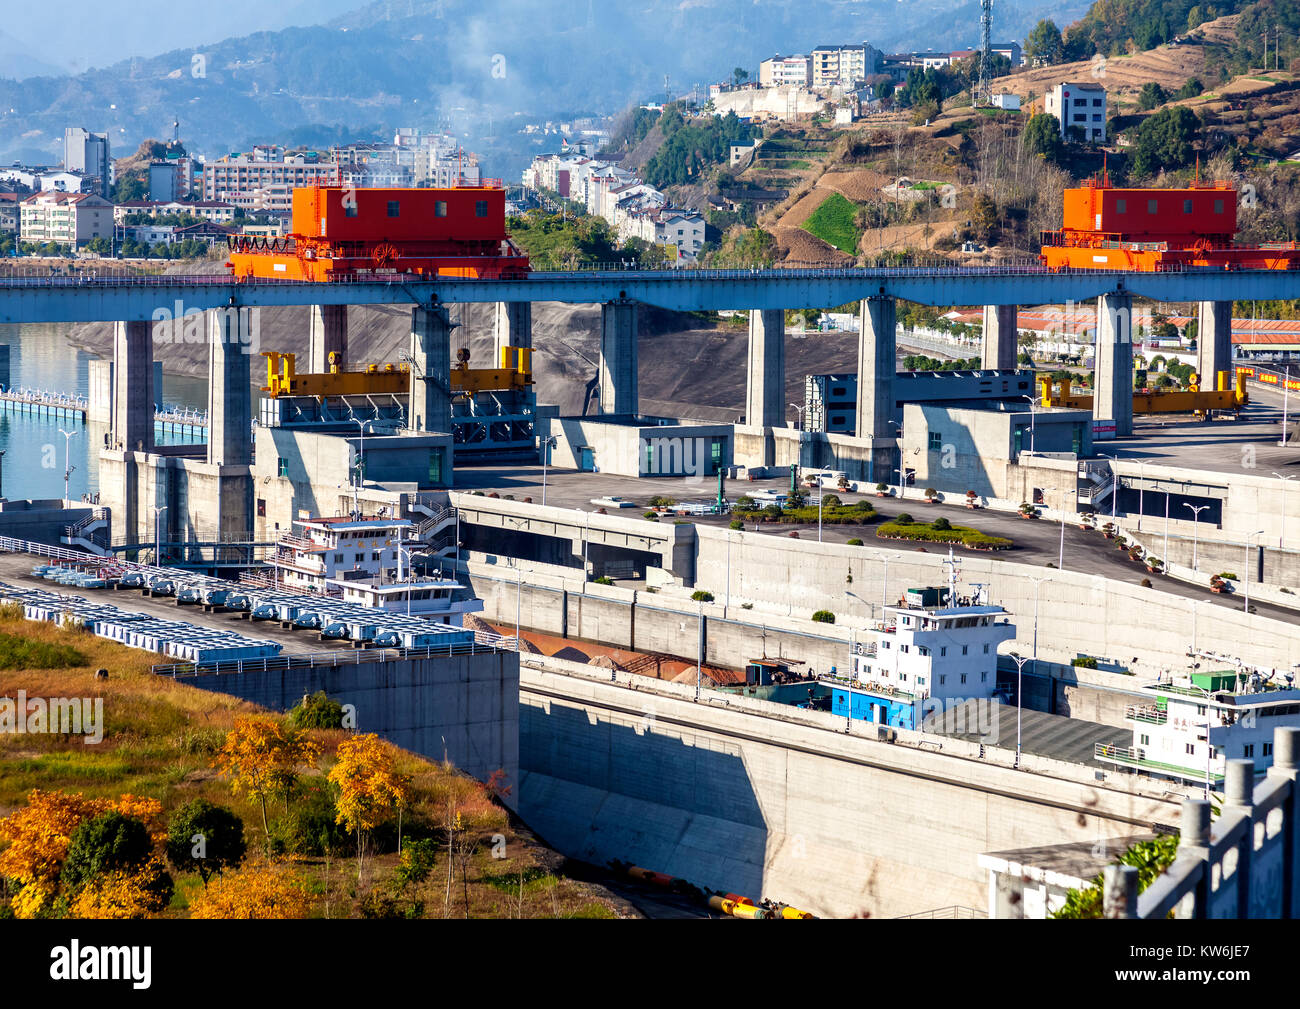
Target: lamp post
[[547, 445], [1020, 661], [1196, 516], [821, 492], [400, 550], [1281, 540], [1286, 383], [1249, 536], [157, 536], [1114, 483], [361, 466], [699, 650], [1166, 530], [2, 476], [67, 468], [1033, 414], [799, 415], [519, 590]]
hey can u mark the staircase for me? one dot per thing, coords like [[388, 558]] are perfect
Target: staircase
[[90, 534]]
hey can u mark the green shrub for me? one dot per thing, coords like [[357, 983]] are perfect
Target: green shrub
[[772, 511], [603, 580], [109, 842], [309, 827], [702, 596], [736, 524], [941, 524], [904, 519], [957, 534], [823, 617], [221, 842], [830, 501], [661, 501], [1084, 662], [1150, 858], [855, 542], [650, 515], [745, 503], [317, 712], [882, 487]]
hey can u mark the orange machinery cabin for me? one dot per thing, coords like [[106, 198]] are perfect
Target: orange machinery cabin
[[342, 231], [1156, 229]]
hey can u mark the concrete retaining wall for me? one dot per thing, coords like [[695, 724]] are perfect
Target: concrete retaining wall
[[745, 795], [462, 708]]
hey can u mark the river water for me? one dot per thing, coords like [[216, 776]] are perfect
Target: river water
[[42, 357]]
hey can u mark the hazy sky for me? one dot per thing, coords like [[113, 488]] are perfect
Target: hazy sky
[[92, 33]]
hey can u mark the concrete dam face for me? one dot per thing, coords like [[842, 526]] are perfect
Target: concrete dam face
[[730, 797]]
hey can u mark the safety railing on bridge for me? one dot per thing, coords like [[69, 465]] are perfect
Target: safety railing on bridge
[[1245, 864]]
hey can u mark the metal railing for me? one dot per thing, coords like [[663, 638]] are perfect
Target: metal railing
[[1149, 714], [337, 657], [1245, 864]]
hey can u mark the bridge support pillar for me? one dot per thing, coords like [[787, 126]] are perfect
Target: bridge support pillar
[[877, 365], [133, 386], [999, 346], [1213, 342], [226, 490], [514, 326], [430, 369], [765, 380], [1113, 399], [327, 333], [618, 358]]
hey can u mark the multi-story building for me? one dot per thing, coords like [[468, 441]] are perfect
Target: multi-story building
[[846, 66], [88, 153], [217, 211], [929, 654], [68, 218], [682, 230], [266, 178], [778, 71], [1080, 109], [9, 213], [1195, 723]]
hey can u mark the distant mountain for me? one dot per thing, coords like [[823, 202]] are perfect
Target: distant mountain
[[486, 66]]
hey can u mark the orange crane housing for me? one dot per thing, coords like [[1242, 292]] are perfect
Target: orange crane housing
[[341, 232], [1153, 230]]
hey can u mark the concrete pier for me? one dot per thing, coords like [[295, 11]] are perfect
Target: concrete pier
[[999, 347], [1113, 398], [1213, 341], [877, 351], [131, 421], [230, 439], [514, 325], [431, 369], [618, 358], [765, 382], [327, 333]]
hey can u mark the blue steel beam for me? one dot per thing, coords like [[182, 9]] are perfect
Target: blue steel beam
[[69, 299]]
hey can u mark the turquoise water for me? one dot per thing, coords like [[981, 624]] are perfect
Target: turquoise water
[[40, 357]]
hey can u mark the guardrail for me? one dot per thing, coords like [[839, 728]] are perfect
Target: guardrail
[[337, 657], [1245, 864]]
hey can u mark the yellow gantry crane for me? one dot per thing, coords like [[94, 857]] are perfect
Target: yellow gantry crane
[[282, 379], [1191, 400]]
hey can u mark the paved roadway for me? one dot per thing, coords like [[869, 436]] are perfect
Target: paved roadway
[[1037, 541]]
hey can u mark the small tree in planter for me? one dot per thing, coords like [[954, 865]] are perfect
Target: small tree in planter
[[1135, 553], [1154, 564], [1108, 530], [1087, 520], [882, 489], [972, 499], [1121, 542], [931, 495], [1027, 511], [842, 483]]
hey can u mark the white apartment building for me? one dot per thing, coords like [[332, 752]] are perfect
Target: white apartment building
[[1078, 105], [681, 229], [842, 65], [779, 70], [69, 218], [216, 211], [240, 179]]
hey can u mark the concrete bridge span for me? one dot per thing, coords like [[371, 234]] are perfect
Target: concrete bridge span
[[762, 799]]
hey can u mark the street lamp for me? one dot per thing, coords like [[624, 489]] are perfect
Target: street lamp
[[157, 537], [799, 413], [1020, 661], [1286, 388], [1032, 416], [547, 445], [699, 650], [67, 469], [1246, 604], [821, 493], [2, 476], [361, 465], [1281, 540], [1196, 516]]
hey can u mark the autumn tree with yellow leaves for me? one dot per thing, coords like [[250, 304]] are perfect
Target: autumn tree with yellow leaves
[[258, 890], [370, 787], [262, 757], [38, 836]]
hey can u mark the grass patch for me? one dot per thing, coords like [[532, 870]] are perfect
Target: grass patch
[[961, 535], [25, 653], [832, 222]]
